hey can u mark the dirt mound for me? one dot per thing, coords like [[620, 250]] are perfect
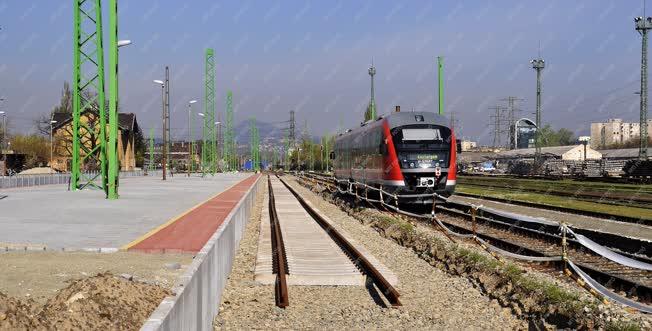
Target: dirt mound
[[101, 302], [16, 314]]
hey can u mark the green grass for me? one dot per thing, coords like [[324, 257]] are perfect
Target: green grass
[[559, 201]]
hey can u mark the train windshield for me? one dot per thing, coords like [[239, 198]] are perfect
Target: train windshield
[[422, 146], [427, 134]]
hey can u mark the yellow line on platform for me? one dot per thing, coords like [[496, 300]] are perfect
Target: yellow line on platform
[[176, 218]]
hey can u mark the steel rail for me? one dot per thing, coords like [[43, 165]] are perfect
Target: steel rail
[[594, 214], [358, 258], [278, 252]]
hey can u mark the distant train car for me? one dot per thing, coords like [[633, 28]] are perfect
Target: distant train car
[[405, 152]]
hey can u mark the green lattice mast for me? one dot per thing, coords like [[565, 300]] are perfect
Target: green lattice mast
[[229, 138], [151, 149], [209, 162], [253, 135], [89, 137]]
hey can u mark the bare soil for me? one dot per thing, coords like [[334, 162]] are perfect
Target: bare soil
[[84, 291], [38, 275], [101, 302]]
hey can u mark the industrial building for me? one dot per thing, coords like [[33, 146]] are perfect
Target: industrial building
[[566, 153]]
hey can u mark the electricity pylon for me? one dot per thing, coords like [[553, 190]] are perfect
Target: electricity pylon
[[89, 136], [209, 148], [255, 149], [229, 136]]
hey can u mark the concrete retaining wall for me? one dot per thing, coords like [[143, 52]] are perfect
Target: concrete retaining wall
[[199, 291]]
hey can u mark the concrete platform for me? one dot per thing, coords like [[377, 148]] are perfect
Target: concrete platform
[[313, 257], [53, 217]]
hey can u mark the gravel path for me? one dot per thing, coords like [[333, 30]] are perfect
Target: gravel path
[[431, 299]]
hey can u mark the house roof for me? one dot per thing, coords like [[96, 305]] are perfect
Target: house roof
[[476, 156], [126, 121], [623, 153], [529, 152]]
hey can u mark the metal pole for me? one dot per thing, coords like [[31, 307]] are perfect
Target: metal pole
[[4, 135], [190, 140], [538, 65], [151, 150], [440, 77], [538, 115], [167, 117], [112, 152], [165, 123], [643, 25], [51, 147]]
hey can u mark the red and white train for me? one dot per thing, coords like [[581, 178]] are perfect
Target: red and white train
[[404, 152]]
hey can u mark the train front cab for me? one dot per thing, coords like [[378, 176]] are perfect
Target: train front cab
[[426, 155]]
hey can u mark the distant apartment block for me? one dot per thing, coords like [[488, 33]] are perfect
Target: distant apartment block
[[615, 131]]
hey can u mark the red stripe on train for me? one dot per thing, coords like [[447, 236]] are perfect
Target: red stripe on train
[[391, 166]]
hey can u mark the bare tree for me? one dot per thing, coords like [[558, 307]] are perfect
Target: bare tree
[[42, 123]]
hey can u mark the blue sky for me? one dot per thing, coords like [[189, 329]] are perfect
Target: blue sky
[[312, 56]]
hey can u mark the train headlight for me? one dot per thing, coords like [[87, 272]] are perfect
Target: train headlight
[[411, 164]]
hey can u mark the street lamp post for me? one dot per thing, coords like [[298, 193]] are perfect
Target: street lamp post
[[4, 131], [217, 126], [164, 151], [51, 144], [203, 146], [190, 145]]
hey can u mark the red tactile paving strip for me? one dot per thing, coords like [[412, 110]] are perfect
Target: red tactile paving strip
[[191, 231]]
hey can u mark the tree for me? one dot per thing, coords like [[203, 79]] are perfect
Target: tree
[[566, 137], [35, 147], [139, 146], [65, 106], [550, 137]]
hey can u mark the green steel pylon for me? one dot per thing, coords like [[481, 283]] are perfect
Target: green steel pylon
[[209, 161], [112, 150], [151, 149], [229, 136], [88, 137], [253, 144]]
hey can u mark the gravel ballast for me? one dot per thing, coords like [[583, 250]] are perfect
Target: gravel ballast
[[431, 298]]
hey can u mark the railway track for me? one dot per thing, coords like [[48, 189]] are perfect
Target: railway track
[[283, 269], [544, 241], [619, 218], [605, 197]]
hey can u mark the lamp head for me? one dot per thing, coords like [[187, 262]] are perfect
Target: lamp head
[[122, 43]]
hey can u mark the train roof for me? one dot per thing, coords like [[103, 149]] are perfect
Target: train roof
[[418, 117], [396, 119]]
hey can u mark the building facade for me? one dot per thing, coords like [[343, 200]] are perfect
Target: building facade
[[62, 139], [615, 131]]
